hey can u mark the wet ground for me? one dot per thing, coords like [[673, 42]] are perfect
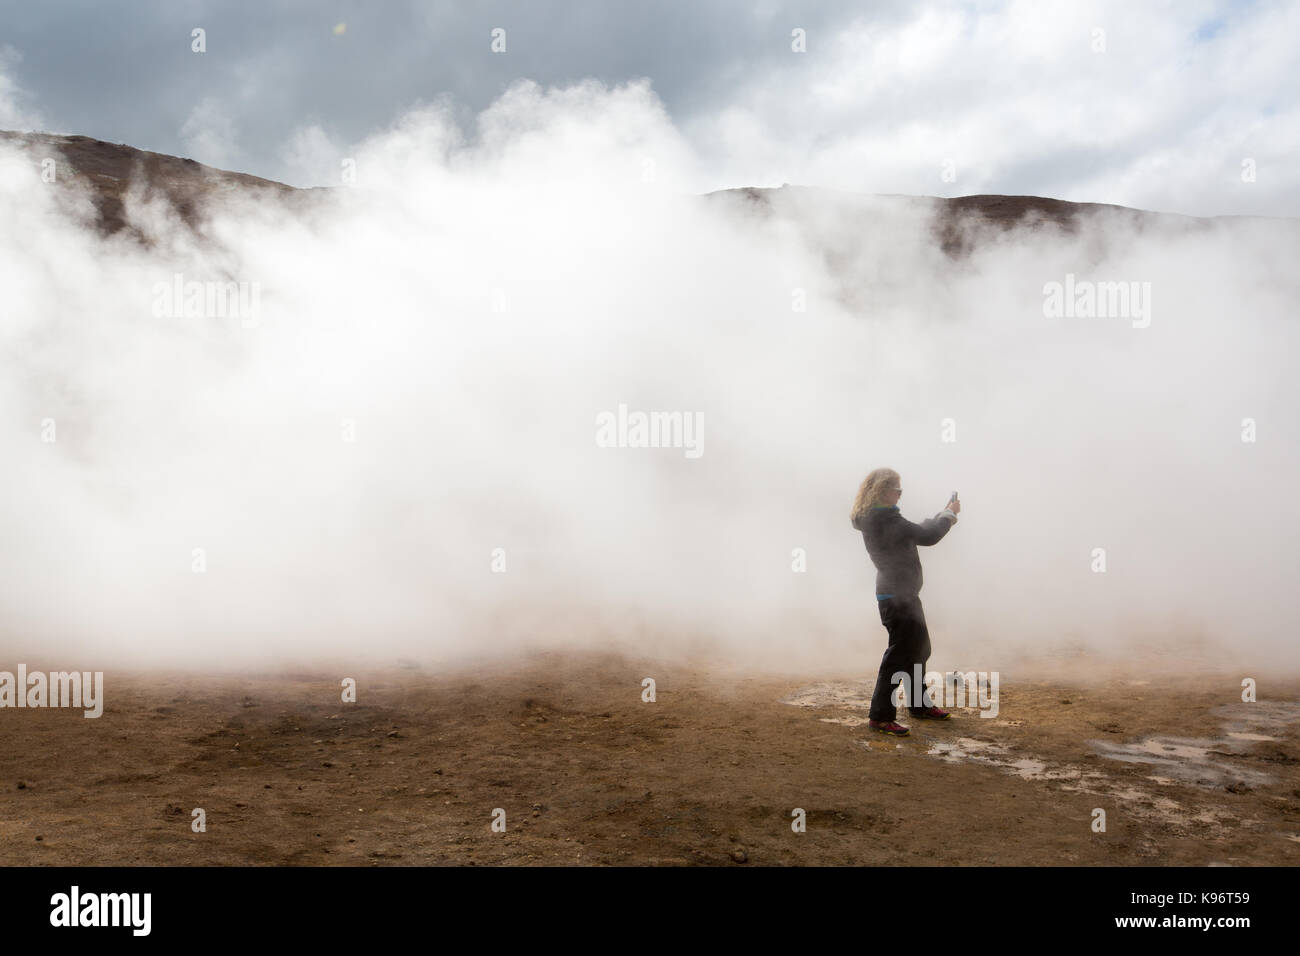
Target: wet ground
[[717, 770], [1253, 751]]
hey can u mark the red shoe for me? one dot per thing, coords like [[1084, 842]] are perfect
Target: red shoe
[[888, 727], [931, 713]]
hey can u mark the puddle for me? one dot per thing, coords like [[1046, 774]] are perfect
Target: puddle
[[1144, 803], [857, 695], [1277, 717], [1187, 760], [965, 748], [989, 754], [1212, 762], [846, 721], [833, 694]]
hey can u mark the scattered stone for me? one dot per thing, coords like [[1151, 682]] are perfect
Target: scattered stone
[[22, 785], [739, 855]]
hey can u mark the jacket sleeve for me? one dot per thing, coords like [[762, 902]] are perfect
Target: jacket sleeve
[[931, 530]]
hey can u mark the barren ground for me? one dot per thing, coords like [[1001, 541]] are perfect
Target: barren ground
[[589, 774]]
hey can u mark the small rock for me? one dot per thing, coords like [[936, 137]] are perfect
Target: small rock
[[22, 785], [39, 839], [739, 855]]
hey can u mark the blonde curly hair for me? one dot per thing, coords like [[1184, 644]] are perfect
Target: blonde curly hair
[[870, 491]]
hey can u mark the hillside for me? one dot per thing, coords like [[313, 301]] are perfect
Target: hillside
[[107, 171]]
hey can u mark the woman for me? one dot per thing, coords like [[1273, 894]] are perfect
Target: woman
[[891, 542]]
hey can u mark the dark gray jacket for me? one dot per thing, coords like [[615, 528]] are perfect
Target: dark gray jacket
[[891, 542]]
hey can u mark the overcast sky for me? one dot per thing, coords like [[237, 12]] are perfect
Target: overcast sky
[[1186, 107]]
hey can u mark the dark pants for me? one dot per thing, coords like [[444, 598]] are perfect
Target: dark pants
[[909, 645]]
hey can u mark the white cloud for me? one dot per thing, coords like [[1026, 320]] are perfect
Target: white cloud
[[473, 304], [313, 157], [15, 113], [210, 135], [1016, 94]]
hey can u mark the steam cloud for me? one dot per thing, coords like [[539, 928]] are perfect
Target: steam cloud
[[479, 297]]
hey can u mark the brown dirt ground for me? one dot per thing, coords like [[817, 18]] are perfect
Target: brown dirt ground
[[589, 774]]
